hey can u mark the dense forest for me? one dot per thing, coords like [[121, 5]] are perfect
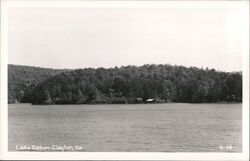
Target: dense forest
[[20, 78], [127, 84]]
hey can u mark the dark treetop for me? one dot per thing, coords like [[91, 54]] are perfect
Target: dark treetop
[[129, 84]]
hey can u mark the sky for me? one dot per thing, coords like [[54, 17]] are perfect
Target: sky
[[107, 37]]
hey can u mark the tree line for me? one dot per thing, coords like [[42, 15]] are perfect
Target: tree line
[[133, 84], [21, 78]]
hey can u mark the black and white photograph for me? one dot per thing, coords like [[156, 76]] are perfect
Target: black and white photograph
[[142, 76]]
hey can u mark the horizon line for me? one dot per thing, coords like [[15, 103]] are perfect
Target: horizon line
[[209, 68]]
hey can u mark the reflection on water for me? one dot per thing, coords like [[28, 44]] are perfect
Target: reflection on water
[[125, 128]]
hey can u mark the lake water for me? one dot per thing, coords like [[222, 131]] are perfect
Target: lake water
[[125, 128]]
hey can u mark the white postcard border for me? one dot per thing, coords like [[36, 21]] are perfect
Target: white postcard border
[[4, 154]]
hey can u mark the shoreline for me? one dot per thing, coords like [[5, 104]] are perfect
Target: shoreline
[[128, 103]]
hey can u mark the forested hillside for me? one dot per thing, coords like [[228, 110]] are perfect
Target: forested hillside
[[130, 84], [21, 78]]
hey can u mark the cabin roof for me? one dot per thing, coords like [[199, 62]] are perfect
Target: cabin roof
[[151, 99]]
